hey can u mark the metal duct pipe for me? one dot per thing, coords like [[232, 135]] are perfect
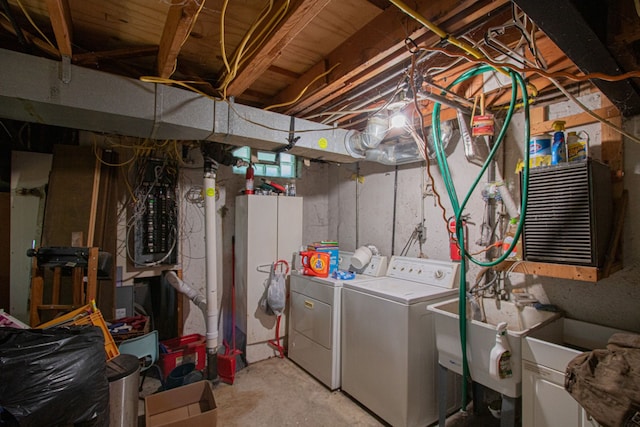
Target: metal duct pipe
[[31, 90]]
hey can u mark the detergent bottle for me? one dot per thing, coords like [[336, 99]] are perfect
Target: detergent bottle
[[558, 146], [315, 263], [576, 148], [500, 356]]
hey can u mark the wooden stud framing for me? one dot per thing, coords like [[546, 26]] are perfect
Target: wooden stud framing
[[60, 16], [176, 30]]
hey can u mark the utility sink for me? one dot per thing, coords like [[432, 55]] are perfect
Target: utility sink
[[545, 402], [481, 337]]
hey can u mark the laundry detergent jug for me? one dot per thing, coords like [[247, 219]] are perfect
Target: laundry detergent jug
[[315, 263]]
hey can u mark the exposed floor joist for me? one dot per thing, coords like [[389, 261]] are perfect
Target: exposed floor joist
[[176, 30], [303, 13], [62, 26], [385, 40]]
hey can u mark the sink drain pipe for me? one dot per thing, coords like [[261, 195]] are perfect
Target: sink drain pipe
[[517, 81]]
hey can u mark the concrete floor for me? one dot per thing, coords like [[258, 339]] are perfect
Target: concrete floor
[[276, 392]]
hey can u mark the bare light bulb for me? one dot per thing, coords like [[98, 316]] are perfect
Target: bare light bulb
[[398, 120]]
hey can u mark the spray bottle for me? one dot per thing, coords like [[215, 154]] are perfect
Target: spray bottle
[[500, 357], [558, 146]]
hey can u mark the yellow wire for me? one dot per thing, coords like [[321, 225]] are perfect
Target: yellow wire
[[246, 40], [434, 28], [193, 22], [263, 34], [231, 73], [303, 90], [184, 83], [222, 48], [34, 25], [451, 39]]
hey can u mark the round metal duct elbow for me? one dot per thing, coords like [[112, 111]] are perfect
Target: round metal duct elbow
[[401, 150]]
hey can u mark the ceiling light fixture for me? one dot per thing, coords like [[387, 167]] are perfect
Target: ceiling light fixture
[[398, 120]]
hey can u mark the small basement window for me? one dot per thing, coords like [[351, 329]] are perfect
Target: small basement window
[[269, 164]]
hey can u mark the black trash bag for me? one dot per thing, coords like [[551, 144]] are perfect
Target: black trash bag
[[54, 377]]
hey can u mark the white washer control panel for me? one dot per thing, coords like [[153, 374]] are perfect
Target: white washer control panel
[[376, 267], [432, 272]]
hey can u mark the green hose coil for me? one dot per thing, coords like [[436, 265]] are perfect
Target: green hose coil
[[517, 81]]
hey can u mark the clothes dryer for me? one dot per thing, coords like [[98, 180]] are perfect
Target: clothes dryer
[[314, 328]]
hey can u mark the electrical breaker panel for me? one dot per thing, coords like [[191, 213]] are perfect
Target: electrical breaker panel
[[155, 214]]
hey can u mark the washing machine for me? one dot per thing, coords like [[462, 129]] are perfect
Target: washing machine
[[389, 356], [314, 322]]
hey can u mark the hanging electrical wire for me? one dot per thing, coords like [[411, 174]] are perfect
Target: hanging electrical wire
[[249, 43], [552, 76], [33, 24], [423, 150], [304, 90]]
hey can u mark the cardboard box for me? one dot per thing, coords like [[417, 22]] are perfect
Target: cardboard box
[[191, 405]]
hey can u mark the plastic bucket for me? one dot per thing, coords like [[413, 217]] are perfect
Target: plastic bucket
[[540, 145], [182, 375]]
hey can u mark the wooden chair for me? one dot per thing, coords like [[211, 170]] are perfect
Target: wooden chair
[[81, 296]]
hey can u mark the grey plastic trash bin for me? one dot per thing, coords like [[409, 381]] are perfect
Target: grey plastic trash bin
[[123, 373]]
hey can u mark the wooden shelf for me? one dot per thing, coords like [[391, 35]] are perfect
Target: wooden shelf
[[560, 271]]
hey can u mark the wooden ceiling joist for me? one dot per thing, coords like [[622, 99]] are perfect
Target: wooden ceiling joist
[[176, 30], [92, 58], [302, 15], [60, 16], [386, 38]]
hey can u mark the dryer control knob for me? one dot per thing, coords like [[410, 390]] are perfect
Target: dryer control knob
[[439, 274]]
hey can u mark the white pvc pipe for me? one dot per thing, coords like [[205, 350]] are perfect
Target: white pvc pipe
[[195, 296], [507, 198], [210, 260]]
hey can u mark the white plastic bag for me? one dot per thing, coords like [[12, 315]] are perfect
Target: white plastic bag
[[274, 299], [277, 293]]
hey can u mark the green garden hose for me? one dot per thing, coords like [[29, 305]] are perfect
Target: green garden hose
[[517, 81]]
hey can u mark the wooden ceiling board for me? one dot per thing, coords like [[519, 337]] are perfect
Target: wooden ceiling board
[[270, 84], [338, 21], [116, 24], [202, 47]]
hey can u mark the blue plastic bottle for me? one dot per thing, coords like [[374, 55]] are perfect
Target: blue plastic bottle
[[558, 146]]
